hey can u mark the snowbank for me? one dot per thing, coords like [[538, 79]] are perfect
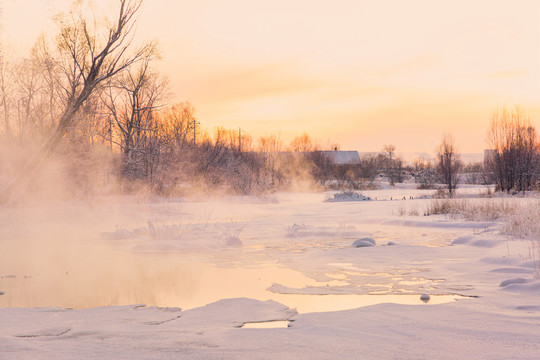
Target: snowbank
[[348, 196]]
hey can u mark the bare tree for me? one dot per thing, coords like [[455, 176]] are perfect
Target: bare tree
[[393, 167], [6, 96], [448, 164], [271, 148], [28, 107], [370, 166], [514, 148], [390, 150], [87, 57], [131, 100], [181, 125], [302, 143]]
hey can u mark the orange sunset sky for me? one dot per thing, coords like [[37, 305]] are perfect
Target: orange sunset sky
[[359, 73]]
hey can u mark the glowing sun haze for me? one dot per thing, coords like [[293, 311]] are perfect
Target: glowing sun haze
[[359, 73]]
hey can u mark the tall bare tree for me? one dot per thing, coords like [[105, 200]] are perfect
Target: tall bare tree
[[6, 96], [131, 100], [87, 56], [514, 149], [448, 164]]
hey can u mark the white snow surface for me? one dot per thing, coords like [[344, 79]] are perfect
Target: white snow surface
[[132, 278]]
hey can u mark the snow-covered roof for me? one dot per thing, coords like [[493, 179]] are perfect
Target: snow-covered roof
[[343, 157]]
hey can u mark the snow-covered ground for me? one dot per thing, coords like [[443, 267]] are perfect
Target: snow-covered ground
[[74, 278]]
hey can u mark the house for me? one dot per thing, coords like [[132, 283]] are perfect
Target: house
[[342, 157]]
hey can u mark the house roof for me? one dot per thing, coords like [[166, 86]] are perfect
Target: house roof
[[343, 157]]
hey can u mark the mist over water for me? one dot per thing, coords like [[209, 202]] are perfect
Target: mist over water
[[130, 250]]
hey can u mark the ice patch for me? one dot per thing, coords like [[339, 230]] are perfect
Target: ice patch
[[273, 324]]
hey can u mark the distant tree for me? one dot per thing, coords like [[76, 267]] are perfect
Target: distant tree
[[514, 150], [473, 173], [390, 150], [370, 166], [6, 97], [29, 97], [420, 164], [131, 100], [271, 148], [323, 167], [398, 170], [448, 164], [302, 143], [393, 166], [270, 144], [180, 126]]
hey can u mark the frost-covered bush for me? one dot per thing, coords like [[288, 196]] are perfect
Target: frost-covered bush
[[473, 210], [524, 224], [521, 217]]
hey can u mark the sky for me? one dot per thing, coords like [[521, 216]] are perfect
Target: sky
[[358, 73]]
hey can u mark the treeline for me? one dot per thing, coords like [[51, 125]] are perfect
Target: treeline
[[92, 102]]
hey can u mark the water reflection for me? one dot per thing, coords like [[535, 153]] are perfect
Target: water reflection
[[187, 284], [266, 325]]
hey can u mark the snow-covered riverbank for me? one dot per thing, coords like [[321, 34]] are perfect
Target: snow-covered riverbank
[[204, 268]]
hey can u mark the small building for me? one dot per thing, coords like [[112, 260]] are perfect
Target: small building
[[339, 157]]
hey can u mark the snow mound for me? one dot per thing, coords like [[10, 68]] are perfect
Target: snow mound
[[348, 196], [364, 242], [462, 240], [485, 243], [470, 240]]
